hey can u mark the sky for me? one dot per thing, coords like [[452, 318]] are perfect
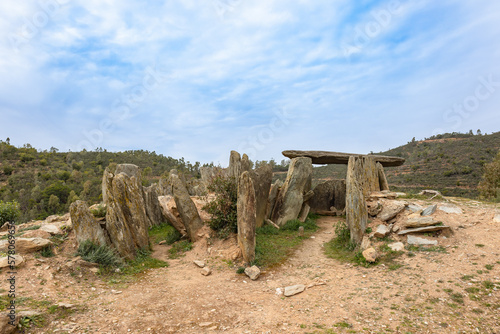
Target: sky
[[197, 79]]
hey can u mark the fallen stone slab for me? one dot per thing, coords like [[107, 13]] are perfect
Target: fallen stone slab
[[253, 272], [325, 157], [423, 229], [413, 240], [429, 210], [294, 290], [450, 209], [52, 229], [391, 209], [26, 245], [420, 222], [379, 194]]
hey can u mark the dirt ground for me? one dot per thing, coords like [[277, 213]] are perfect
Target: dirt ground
[[456, 291]]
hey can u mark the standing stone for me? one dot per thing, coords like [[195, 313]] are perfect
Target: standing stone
[[170, 212], [126, 220], [429, 210], [327, 194], [246, 207], [245, 164], [367, 175], [356, 211], [384, 185], [234, 165], [291, 196], [86, 226], [262, 178], [304, 212], [152, 205], [273, 195], [186, 207]]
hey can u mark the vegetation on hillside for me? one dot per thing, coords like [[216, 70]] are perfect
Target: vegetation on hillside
[[489, 187]]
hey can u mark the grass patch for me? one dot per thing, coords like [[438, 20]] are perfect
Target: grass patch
[[179, 248], [436, 249], [142, 261], [102, 255], [99, 212], [164, 232], [31, 228], [47, 251], [274, 246], [489, 266], [479, 245]]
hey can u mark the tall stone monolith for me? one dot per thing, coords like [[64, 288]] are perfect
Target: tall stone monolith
[[246, 208], [356, 210], [186, 207]]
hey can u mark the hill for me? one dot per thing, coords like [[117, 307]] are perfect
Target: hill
[[451, 163]]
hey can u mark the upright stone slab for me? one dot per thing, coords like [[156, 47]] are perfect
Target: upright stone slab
[[273, 195], [152, 205], [86, 226], [384, 185], [327, 194], [234, 165], [186, 207], [356, 211], [245, 164], [291, 196], [262, 178], [246, 207], [126, 220], [367, 175]]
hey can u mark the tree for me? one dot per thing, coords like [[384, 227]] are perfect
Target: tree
[[489, 187], [9, 212], [54, 203]]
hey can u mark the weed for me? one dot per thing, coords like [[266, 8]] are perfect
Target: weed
[[164, 232], [47, 252], [342, 324], [179, 248], [99, 212], [467, 277], [479, 245], [102, 255], [489, 266], [31, 228], [142, 261], [240, 270], [488, 285]]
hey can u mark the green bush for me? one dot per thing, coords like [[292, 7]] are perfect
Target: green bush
[[489, 187], [9, 212], [164, 232], [100, 212], [102, 255], [224, 207], [7, 169], [179, 248]]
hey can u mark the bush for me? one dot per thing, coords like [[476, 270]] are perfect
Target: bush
[[102, 255], [7, 169], [100, 212], [9, 212], [164, 232], [489, 187], [224, 207]]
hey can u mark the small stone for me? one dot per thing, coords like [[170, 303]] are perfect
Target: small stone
[[206, 324], [397, 246], [252, 272], [496, 219], [301, 231], [381, 231], [294, 290], [429, 210], [162, 242], [365, 243], [279, 291], [370, 254], [206, 271], [448, 208], [413, 240], [200, 264]]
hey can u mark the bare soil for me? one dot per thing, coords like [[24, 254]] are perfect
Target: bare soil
[[427, 294]]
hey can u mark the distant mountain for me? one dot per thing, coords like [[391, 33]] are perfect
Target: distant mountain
[[451, 163]]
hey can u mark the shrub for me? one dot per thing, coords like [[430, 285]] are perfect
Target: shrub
[[223, 207], [164, 232], [9, 212], [489, 187], [7, 169], [100, 212], [102, 255]]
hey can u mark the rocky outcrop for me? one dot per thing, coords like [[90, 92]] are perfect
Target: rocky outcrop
[[186, 207], [85, 225], [291, 197], [246, 207], [356, 210], [328, 194], [323, 157], [262, 178], [126, 219]]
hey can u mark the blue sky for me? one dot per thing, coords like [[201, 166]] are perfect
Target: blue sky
[[197, 79]]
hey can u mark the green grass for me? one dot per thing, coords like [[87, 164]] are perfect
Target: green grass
[[142, 262], [164, 232], [436, 249], [47, 252], [274, 246], [179, 248], [31, 228], [103, 255]]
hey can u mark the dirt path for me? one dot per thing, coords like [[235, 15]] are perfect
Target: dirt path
[[455, 291]]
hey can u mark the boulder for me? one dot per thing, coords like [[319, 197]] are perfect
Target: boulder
[[356, 211], [171, 214], [17, 261], [424, 229], [52, 229], [206, 271], [26, 245], [294, 290], [397, 246], [419, 222], [370, 254], [413, 240], [186, 207], [374, 208], [234, 165], [382, 231], [391, 209], [429, 210], [273, 195], [246, 207], [152, 205], [126, 220], [253, 272], [291, 197], [262, 178], [448, 208], [324, 157], [85, 225], [327, 194], [365, 243]]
